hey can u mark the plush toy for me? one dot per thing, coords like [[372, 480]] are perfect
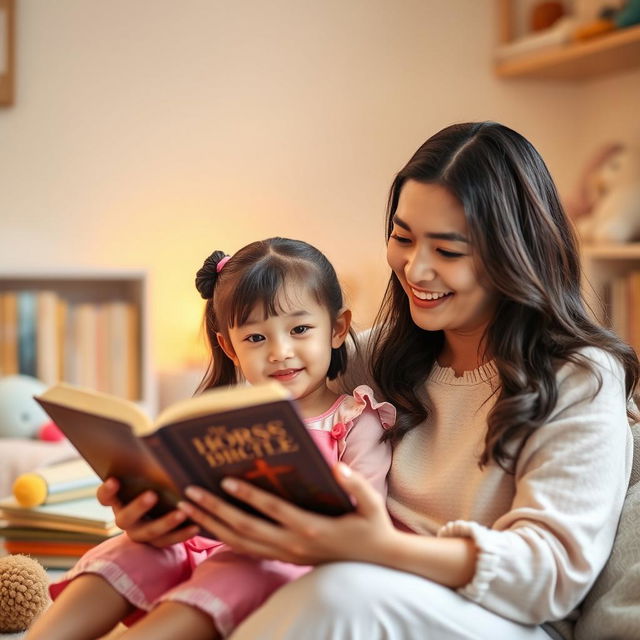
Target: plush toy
[[24, 593], [615, 212], [581, 200], [20, 415]]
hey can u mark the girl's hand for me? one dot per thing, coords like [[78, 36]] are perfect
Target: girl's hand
[[298, 536], [159, 532]]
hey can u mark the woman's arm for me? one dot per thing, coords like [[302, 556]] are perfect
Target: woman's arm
[[300, 537]]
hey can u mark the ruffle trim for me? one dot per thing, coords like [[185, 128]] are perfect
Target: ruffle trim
[[362, 396], [352, 408], [487, 560]]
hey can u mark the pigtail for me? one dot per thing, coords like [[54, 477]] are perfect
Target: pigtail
[[221, 371], [207, 275]]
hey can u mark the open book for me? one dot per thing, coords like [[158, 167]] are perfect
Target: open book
[[250, 432]]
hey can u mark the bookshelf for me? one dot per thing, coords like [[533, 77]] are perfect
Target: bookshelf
[[611, 290], [605, 54], [86, 327]]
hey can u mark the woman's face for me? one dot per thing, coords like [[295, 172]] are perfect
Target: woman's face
[[430, 253]]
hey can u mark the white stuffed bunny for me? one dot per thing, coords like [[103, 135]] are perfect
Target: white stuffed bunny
[[615, 215]]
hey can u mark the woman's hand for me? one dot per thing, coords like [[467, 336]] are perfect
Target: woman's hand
[[159, 532], [297, 536]]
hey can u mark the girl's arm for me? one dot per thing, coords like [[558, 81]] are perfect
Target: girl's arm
[[300, 537], [159, 532]]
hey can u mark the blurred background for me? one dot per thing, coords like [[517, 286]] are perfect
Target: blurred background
[[143, 135]]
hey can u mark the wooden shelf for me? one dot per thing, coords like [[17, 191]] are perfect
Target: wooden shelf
[[606, 54], [626, 251]]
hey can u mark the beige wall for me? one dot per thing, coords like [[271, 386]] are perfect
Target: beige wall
[[148, 133]]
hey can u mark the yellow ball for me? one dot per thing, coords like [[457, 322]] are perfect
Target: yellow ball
[[30, 489]]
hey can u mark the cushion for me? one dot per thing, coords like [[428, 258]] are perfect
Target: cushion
[[612, 607]]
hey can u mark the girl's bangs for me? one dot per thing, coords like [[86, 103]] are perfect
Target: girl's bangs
[[271, 285]]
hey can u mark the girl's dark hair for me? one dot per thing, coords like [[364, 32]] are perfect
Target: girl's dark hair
[[257, 275], [526, 248]]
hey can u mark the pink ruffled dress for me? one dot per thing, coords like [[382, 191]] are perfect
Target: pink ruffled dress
[[207, 574]]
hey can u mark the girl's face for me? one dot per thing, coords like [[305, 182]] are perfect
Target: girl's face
[[293, 348], [429, 252]]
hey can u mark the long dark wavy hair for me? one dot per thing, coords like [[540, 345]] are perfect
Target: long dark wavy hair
[[258, 274], [525, 246]]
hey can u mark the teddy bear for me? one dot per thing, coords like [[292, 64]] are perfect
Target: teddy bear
[[606, 206]]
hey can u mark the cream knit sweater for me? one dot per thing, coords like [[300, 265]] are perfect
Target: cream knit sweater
[[543, 534]]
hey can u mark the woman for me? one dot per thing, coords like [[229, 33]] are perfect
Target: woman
[[512, 448]]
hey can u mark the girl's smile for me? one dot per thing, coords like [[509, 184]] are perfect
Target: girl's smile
[[285, 375]]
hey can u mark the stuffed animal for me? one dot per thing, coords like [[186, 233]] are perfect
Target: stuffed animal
[[615, 213], [581, 200], [24, 593], [20, 415]]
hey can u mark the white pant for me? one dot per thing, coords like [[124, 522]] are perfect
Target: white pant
[[355, 601]]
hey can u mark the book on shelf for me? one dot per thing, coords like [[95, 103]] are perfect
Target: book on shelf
[[27, 332], [8, 333], [85, 344], [84, 515], [59, 482], [250, 432], [48, 346], [48, 547], [619, 306], [51, 547], [123, 347]]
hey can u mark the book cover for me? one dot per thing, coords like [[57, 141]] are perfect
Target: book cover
[[253, 433]]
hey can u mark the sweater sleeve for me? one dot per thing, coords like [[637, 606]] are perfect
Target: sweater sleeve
[[539, 559]]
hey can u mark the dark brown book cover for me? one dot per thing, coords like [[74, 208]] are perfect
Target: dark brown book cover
[[263, 440]]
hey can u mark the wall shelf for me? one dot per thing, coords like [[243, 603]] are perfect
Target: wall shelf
[[603, 55]]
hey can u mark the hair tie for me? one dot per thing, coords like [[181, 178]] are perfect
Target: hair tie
[[221, 263]]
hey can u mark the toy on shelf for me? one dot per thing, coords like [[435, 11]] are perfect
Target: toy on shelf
[[607, 18], [606, 203], [20, 414], [24, 592]]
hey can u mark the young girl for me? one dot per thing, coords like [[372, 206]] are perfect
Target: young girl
[[274, 311], [512, 449]]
